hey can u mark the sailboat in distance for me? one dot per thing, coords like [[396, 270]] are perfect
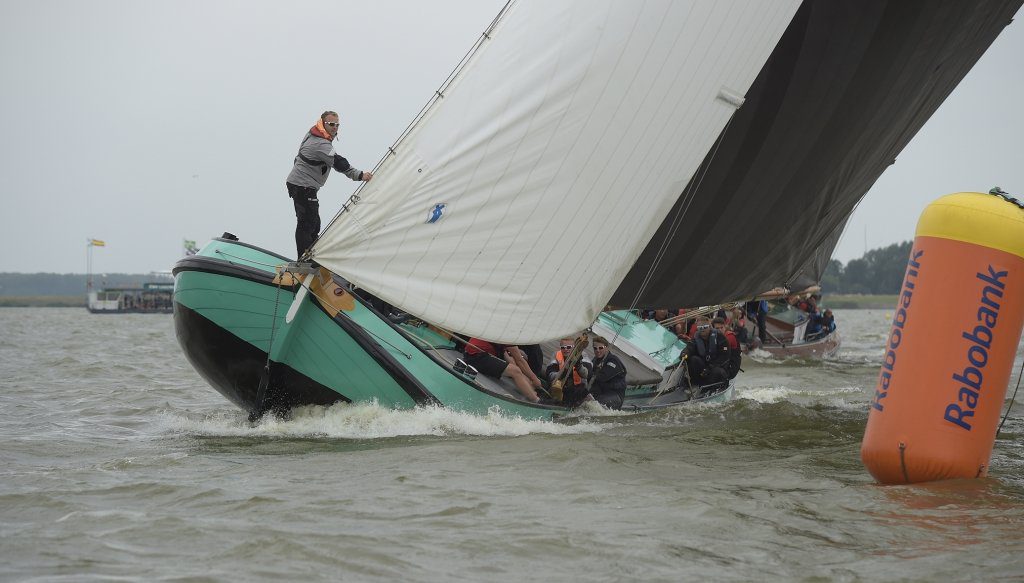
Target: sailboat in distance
[[582, 155]]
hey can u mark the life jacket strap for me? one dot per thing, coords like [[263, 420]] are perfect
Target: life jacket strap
[[315, 163]]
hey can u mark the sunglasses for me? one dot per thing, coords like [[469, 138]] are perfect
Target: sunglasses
[[703, 326], [333, 124], [567, 347], [600, 348]]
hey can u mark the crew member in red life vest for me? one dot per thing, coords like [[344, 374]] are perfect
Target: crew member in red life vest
[[738, 325], [484, 356], [574, 389], [733, 365]]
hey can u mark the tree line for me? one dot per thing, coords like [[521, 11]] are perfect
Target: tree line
[[879, 271]]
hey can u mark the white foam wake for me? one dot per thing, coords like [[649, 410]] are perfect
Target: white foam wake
[[763, 356], [371, 421], [837, 397]]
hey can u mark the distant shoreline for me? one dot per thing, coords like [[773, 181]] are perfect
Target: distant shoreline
[[840, 301], [77, 301], [859, 302]]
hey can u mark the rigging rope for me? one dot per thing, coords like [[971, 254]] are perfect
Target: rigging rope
[[434, 98], [247, 260], [261, 390], [702, 311], [996, 191], [1007, 414], [688, 198]]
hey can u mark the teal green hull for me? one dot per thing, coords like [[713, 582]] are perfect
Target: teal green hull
[[646, 341], [341, 353], [230, 314]]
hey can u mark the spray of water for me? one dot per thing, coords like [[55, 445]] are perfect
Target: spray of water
[[371, 421]]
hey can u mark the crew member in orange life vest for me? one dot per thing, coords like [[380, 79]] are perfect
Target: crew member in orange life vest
[[574, 389]]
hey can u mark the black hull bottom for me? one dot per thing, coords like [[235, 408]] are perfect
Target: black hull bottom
[[234, 367]]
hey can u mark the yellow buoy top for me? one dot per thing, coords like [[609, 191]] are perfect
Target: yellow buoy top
[[973, 217]]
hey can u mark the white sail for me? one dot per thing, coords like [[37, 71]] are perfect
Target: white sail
[[516, 206]]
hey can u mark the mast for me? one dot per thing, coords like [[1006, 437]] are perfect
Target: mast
[[88, 267], [90, 243]]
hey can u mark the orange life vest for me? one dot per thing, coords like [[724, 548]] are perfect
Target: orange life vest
[[576, 380]]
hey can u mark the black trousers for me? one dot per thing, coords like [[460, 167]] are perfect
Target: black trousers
[[762, 331], [573, 395], [702, 373], [534, 358], [609, 399], [307, 216]]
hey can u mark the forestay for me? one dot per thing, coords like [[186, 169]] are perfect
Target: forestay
[[517, 204]]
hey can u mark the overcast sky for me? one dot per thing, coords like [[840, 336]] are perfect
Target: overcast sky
[[143, 123]]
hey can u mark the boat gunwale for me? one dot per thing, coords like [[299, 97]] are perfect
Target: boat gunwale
[[227, 268]]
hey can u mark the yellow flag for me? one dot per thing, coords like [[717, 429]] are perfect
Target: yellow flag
[[97, 243]]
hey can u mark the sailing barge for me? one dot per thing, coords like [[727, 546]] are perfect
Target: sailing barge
[[581, 156]]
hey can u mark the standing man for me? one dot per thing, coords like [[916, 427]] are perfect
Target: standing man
[[757, 310], [312, 165]]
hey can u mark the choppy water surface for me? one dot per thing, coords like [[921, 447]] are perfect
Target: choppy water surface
[[118, 461]]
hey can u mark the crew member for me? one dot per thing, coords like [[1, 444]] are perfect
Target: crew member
[[574, 388], [609, 379], [312, 165]]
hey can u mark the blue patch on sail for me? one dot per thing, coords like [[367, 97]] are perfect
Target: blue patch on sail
[[436, 213]]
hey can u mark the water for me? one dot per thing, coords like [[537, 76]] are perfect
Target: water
[[119, 462]]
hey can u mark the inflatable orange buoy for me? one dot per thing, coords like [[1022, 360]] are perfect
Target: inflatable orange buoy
[[950, 351]]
